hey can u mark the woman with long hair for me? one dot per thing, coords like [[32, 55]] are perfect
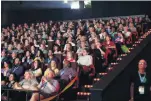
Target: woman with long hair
[[53, 67], [6, 69]]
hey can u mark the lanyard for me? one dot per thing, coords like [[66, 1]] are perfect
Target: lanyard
[[15, 69], [142, 79]]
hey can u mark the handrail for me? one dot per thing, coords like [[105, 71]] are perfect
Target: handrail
[[21, 90], [68, 86]]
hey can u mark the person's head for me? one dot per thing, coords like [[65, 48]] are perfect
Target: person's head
[[50, 74], [36, 63], [69, 55], [39, 36], [58, 42], [131, 25], [120, 26], [142, 64], [126, 28], [53, 63], [119, 33], [98, 44], [58, 35], [42, 46], [14, 54], [19, 46], [50, 53], [83, 38], [17, 61], [68, 47], [35, 42], [13, 39], [70, 39], [85, 52], [3, 53], [28, 75], [56, 48], [113, 29], [91, 29], [32, 48], [6, 64], [39, 53], [12, 77], [27, 53], [26, 42], [108, 38]]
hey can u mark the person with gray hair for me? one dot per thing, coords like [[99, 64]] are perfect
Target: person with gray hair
[[141, 83], [28, 83]]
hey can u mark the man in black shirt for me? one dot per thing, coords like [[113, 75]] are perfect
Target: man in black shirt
[[141, 83]]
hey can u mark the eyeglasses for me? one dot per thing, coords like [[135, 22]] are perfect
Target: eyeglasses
[[141, 63]]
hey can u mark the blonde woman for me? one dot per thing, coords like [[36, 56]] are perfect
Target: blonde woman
[[53, 67]]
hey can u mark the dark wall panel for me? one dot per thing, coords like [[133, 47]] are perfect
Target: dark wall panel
[[18, 14]]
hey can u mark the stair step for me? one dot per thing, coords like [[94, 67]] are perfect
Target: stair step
[[87, 88], [83, 96]]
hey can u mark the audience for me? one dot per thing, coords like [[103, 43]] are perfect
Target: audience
[[37, 50]]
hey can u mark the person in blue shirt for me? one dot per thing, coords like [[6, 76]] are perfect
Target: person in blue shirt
[[18, 69]]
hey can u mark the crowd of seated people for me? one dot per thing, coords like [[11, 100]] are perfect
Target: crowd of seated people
[[37, 54]]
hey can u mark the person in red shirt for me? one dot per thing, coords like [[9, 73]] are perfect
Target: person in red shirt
[[111, 51], [69, 57]]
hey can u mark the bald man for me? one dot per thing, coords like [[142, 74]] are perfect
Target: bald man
[[141, 83]]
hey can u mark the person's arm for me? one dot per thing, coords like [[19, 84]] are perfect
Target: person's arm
[[102, 52], [38, 73], [20, 71], [53, 86], [90, 61]]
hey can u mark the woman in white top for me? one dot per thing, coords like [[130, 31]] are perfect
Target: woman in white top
[[85, 59]]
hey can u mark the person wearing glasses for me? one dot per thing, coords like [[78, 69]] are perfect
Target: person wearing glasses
[[141, 83]]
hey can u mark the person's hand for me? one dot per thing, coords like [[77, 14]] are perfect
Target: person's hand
[[44, 79], [131, 99]]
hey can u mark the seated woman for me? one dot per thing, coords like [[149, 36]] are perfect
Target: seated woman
[[12, 81], [53, 67], [39, 56], [69, 57], [119, 41], [10, 85], [48, 86], [67, 48], [86, 68], [127, 35], [36, 69], [57, 49], [80, 49], [6, 70], [29, 82], [111, 51]]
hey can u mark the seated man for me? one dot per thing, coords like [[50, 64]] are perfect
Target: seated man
[[17, 69], [29, 82], [66, 73], [48, 86]]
